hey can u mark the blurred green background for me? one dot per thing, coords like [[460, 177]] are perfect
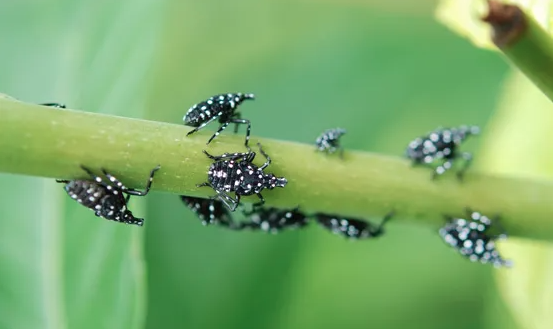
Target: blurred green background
[[384, 71]]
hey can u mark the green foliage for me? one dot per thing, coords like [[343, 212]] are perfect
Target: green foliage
[[312, 66], [514, 146], [63, 268]]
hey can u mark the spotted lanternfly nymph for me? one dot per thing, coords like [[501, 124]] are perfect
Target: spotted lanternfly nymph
[[210, 211], [235, 172], [106, 198], [352, 227], [58, 105], [329, 141], [442, 144], [222, 107], [273, 220], [471, 238]]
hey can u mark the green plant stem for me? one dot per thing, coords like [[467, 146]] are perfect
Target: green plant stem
[[48, 142], [525, 43]]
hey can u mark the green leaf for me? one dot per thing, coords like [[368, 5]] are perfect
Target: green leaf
[[517, 143], [31, 245], [62, 267], [528, 288], [463, 17]]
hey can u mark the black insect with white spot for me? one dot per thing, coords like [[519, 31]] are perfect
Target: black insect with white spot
[[106, 199], [329, 141], [352, 227], [222, 107], [274, 220], [471, 237], [442, 145], [235, 172], [210, 211], [58, 105]]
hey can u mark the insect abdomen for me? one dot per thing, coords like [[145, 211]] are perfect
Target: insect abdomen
[[222, 175], [87, 193]]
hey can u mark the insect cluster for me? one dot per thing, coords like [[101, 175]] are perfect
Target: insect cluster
[[274, 220], [232, 176]]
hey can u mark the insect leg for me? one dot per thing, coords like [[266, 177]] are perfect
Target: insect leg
[[448, 218], [225, 198], [231, 156], [236, 115], [268, 159], [261, 201], [468, 212], [65, 181], [502, 234], [379, 230], [117, 183], [148, 184], [246, 122], [97, 179], [221, 128], [58, 105], [202, 125], [442, 168], [204, 185], [468, 160]]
